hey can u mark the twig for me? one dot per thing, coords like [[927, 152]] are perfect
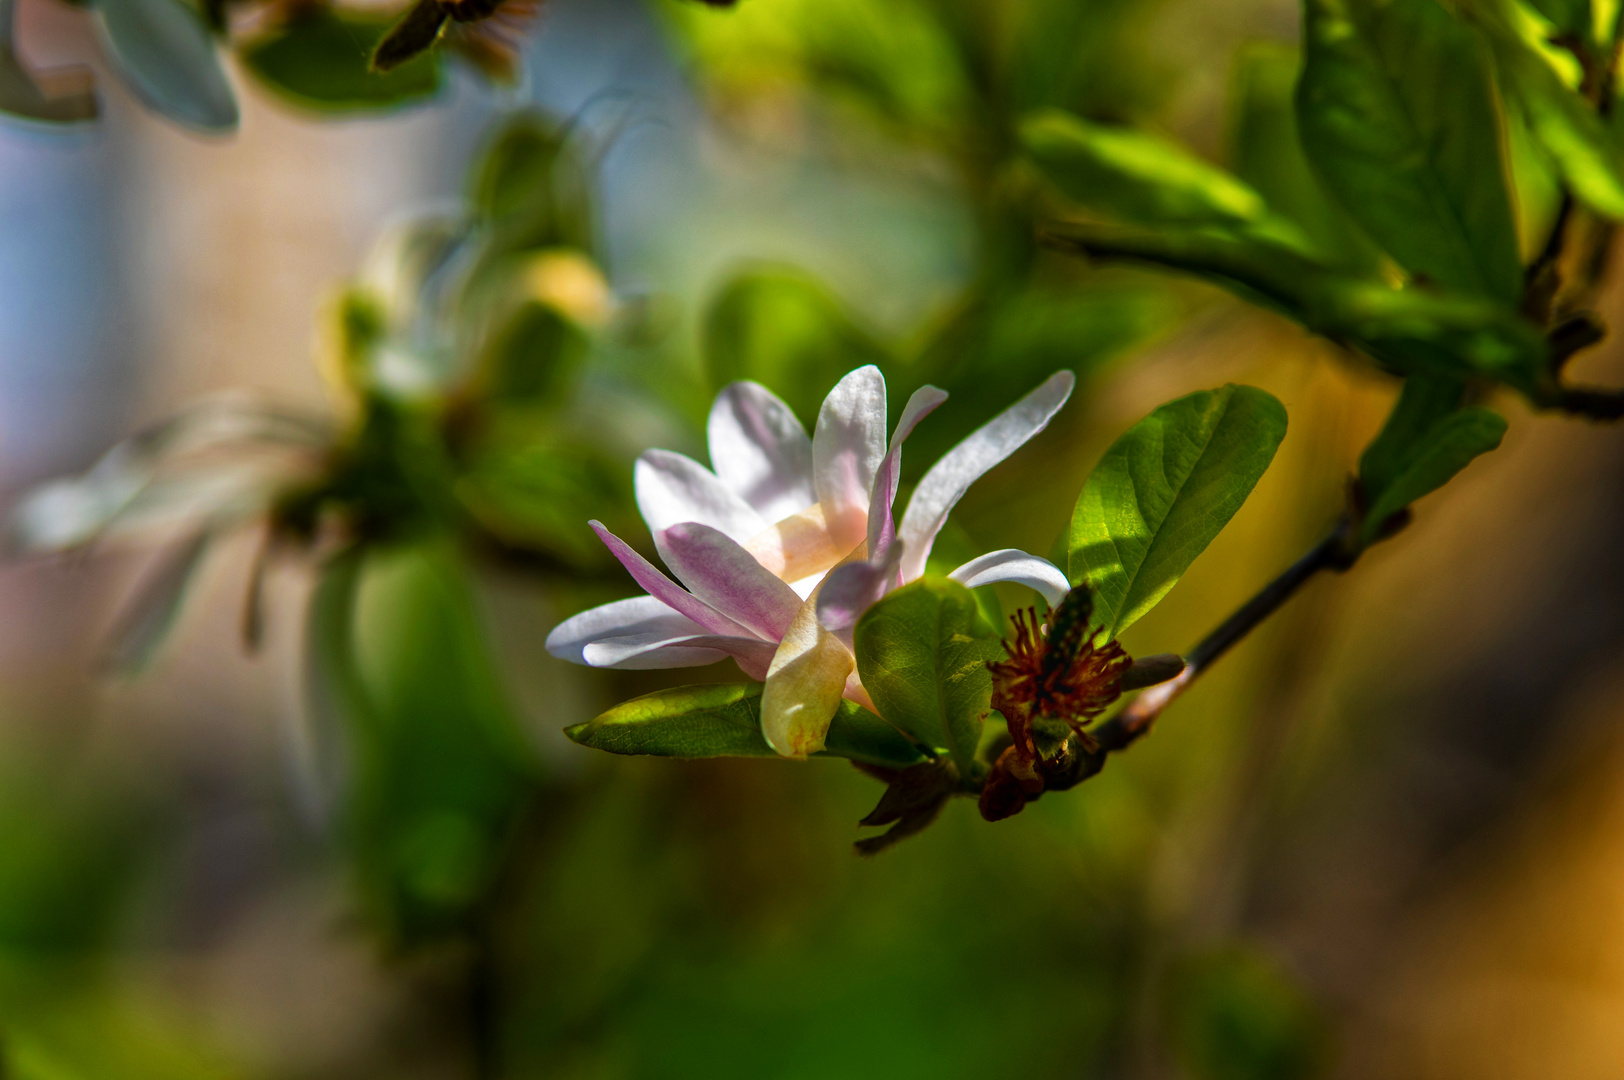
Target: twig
[[1335, 552]]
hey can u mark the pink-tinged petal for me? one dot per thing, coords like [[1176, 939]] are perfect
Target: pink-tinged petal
[[1014, 565], [760, 451], [881, 526], [647, 652], [852, 588], [637, 615], [665, 590], [951, 477], [846, 451], [672, 488], [804, 686], [726, 576]]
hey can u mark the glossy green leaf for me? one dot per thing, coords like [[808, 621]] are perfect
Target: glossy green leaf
[[922, 653], [318, 60], [164, 50], [1446, 448], [1267, 154], [724, 720], [784, 330], [1135, 176], [1586, 151], [1397, 115], [1163, 491]]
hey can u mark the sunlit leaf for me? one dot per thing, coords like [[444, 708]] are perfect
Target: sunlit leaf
[[922, 653], [1135, 176], [1586, 151], [1163, 491], [1397, 115], [165, 52], [1568, 16], [319, 59], [724, 720]]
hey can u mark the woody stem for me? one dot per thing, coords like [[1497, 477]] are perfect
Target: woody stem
[[1332, 553]]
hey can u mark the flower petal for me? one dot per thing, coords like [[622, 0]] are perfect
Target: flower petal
[[850, 590], [665, 590], [1012, 564], [846, 451], [637, 615], [646, 652], [804, 686], [729, 579], [672, 488], [951, 477], [760, 451], [881, 526]]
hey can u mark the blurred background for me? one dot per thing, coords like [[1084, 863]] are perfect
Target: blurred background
[[1384, 838]]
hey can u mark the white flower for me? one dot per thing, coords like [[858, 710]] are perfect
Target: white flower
[[790, 540]]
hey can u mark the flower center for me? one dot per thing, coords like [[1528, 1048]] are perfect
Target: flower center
[[798, 547]]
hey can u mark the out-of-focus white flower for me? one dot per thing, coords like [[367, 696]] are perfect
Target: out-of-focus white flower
[[787, 540]]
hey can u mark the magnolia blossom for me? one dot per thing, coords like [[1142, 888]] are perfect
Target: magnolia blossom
[[787, 540]]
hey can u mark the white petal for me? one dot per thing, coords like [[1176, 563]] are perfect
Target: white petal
[[1012, 564], [672, 488], [852, 588], [759, 450], [951, 477], [638, 615], [646, 652], [729, 579], [881, 526], [847, 448], [664, 589]]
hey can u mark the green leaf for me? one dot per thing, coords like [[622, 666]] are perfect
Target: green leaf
[[724, 720], [1163, 491], [1409, 330], [439, 769], [1267, 154], [1135, 176], [1423, 401], [922, 653], [784, 330], [1446, 448], [318, 60], [1568, 16], [165, 52], [1585, 150], [1397, 115]]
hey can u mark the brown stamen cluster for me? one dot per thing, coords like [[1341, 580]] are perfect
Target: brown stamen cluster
[[1056, 674]]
